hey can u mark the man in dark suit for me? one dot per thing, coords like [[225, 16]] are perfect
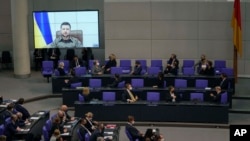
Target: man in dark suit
[[83, 129], [54, 55], [134, 133], [64, 108], [76, 62], [137, 68], [172, 65], [20, 108], [11, 128], [128, 96], [9, 111], [224, 81], [216, 96], [97, 133]]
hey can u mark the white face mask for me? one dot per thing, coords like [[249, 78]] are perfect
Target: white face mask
[[133, 122], [130, 88], [97, 64]]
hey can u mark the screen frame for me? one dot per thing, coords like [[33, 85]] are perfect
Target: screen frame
[[82, 10]]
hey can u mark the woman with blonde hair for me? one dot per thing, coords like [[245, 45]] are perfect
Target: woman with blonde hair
[[56, 136]]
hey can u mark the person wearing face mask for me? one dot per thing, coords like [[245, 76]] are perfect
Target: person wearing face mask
[[130, 129], [96, 69], [128, 95], [111, 63], [137, 68], [91, 124], [172, 65], [171, 95]]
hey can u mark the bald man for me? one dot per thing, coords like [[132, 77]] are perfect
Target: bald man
[[216, 96], [64, 108]]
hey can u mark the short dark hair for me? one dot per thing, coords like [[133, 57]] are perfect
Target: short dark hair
[[66, 23], [20, 101], [130, 118], [137, 62]]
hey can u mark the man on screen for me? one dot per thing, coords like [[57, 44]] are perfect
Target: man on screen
[[65, 40]]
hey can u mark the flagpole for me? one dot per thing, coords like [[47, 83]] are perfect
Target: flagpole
[[235, 63]]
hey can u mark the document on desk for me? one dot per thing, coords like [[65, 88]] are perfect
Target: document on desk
[[35, 118], [25, 130], [108, 137], [65, 134], [109, 133], [67, 126], [40, 113]]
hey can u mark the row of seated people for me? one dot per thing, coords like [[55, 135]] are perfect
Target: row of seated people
[[15, 117], [204, 67], [118, 82], [130, 96], [89, 129]]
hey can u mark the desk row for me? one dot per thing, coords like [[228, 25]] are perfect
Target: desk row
[[69, 96], [139, 81]]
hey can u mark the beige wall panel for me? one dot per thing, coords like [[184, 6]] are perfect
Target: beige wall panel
[[128, 30], [129, 49], [127, 11], [174, 11], [217, 30], [174, 30], [184, 49]]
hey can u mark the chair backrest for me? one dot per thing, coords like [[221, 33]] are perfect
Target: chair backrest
[[79, 71], [188, 71], [116, 70], [45, 134], [79, 135], [48, 124], [47, 65], [188, 63], [156, 63], [218, 65], [201, 83], [56, 72], [197, 97], [121, 84], [1, 129], [126, 66], [7, 120], [180, 83], [53, 117], [137, 83], [80, 97], [66, 65], [87, 137], [108, 96], [153, 96], [153, 70], [125, 63], [228, 71], [224, 98], [74, 85], [95, 83]]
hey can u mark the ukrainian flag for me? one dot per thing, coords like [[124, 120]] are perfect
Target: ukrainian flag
[[42, 30]]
